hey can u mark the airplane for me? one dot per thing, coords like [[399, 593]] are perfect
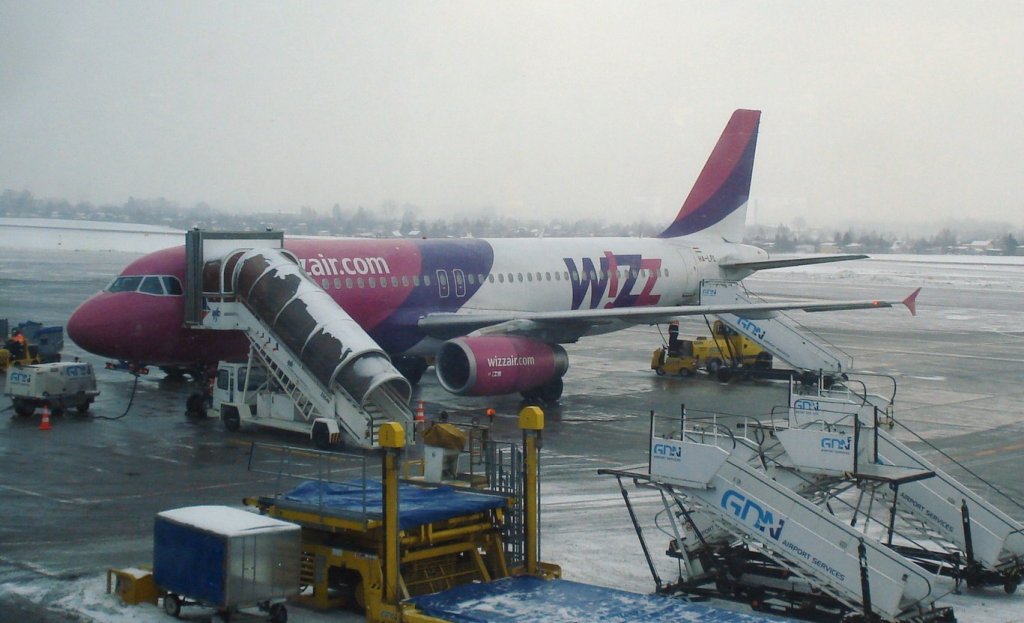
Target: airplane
[[475, 304]]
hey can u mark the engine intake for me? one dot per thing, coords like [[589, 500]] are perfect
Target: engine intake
[[494, 365]]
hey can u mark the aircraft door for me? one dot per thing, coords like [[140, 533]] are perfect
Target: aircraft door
[[684, 277]]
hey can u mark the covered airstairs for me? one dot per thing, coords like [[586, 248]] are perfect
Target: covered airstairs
[[322, 369], [821, 512]]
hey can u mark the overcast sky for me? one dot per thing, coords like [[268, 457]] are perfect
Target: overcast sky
[[871, 110]]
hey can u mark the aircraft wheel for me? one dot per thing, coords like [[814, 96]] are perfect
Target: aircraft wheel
[[231, 420], [195, 406], [172, 605], [552, 390]]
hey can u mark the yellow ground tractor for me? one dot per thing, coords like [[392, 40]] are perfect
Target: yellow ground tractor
[[721, 354], [42, 344]]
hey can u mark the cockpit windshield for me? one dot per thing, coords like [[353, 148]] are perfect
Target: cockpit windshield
[[159, 285]]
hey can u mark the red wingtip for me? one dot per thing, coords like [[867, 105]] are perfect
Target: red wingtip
[[911, 302]]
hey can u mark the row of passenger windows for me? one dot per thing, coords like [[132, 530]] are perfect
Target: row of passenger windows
[[461, 279], [160, 285]]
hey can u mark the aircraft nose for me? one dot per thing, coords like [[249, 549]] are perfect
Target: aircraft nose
[[95, 326]]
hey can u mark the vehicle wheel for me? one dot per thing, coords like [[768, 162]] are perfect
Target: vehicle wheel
[[172, 604], [83, 407], [360, 596], [659, 371], [278, 614], [1010, 586], [321, 436], [23, 408], [714, 365], [763, 361], [552, 390], [685, 372], [723, 374], [231, 420], [225, 615]]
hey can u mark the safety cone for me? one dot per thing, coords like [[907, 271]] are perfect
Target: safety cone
[[420, 417], [44, 424]]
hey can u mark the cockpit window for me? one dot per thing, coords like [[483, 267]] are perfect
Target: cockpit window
[[159, 285], [125, 284], [151, 285], [172, 285]]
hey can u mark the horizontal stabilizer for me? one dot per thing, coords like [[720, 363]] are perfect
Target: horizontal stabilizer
[[791, 261]]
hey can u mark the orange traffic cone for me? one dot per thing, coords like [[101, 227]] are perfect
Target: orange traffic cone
[[44, 424], [420, 417]]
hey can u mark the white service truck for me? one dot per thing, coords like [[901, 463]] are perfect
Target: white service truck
[[243, 393], [59, 386]]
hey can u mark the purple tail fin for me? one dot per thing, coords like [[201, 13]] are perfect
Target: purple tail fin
[[723, 187]]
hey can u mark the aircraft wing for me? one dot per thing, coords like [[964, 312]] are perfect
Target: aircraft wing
[[569, 326], [790, 261]]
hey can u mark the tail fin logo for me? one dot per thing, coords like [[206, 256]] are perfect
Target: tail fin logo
[[723, 186]]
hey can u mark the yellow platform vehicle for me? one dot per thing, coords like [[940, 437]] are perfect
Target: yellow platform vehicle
[[371, 544], [725, 351]]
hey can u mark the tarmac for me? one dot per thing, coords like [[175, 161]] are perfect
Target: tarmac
[[81, 498]]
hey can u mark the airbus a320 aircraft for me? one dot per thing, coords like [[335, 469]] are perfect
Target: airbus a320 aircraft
[[491, 313]]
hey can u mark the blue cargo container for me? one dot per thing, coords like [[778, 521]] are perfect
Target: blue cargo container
[[226, 558]]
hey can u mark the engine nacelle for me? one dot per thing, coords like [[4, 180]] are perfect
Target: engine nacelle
[[493, 365]]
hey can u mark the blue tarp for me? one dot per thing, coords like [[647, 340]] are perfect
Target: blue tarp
[[529, 599], [417, 505]]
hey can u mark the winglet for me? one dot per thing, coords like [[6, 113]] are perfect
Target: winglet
[[911, 302]]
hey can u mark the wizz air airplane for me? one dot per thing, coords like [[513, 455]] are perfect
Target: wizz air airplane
[[491, 314]]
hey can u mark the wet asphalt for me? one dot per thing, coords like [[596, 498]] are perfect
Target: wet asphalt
[[81, 497]]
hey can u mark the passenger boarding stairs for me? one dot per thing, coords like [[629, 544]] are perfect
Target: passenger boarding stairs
[[331, 370], [709, 472], [775, 332], [310, 398], [961, 533]]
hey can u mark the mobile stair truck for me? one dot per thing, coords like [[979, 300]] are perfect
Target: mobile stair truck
[[780, 335], [311, 368], [742, 527], [939, 522]]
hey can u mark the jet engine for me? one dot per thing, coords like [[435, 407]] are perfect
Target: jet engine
[[493, 365]]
